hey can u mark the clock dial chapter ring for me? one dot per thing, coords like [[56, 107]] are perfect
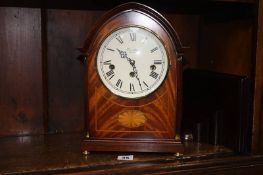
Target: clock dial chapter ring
[[141, 49]]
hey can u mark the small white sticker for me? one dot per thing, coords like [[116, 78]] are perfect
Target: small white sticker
[[126, 157]]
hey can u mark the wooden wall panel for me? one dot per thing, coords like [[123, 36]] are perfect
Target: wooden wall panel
[[187, 28], [21, 98], [226, 46], [257, 142], [66, 31]]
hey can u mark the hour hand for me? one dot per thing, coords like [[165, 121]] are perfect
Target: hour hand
[[123, 54]]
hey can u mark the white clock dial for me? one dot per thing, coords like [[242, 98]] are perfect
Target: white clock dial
[[132, 62]]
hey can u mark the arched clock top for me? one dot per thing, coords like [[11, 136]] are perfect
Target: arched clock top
[[130, 10]]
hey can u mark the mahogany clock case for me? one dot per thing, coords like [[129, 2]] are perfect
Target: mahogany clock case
[[159, 113]]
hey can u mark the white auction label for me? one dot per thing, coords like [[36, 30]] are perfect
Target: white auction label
[[126, 157]]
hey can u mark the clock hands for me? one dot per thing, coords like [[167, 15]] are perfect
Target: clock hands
[[123, 54]]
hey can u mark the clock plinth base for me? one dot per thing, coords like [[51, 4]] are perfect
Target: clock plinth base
[[117, 145]]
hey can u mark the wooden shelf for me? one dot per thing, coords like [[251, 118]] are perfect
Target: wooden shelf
[[58, 154]]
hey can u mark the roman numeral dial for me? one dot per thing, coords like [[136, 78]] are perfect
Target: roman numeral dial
[[133, 36], [132, 62], [119, 39], [154, 75], [119, 83]]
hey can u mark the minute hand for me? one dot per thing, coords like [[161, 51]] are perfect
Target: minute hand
[[136, 73], [123, 54]]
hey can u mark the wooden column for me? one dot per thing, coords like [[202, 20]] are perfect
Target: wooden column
[[257, 143]]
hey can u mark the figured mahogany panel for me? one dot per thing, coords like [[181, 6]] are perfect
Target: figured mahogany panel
[[115, 115], [21, 98], [66, 30]]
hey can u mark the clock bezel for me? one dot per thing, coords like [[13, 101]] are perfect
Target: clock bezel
[[165, 71]]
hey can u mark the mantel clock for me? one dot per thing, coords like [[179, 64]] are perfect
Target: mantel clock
[[133, 82]]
